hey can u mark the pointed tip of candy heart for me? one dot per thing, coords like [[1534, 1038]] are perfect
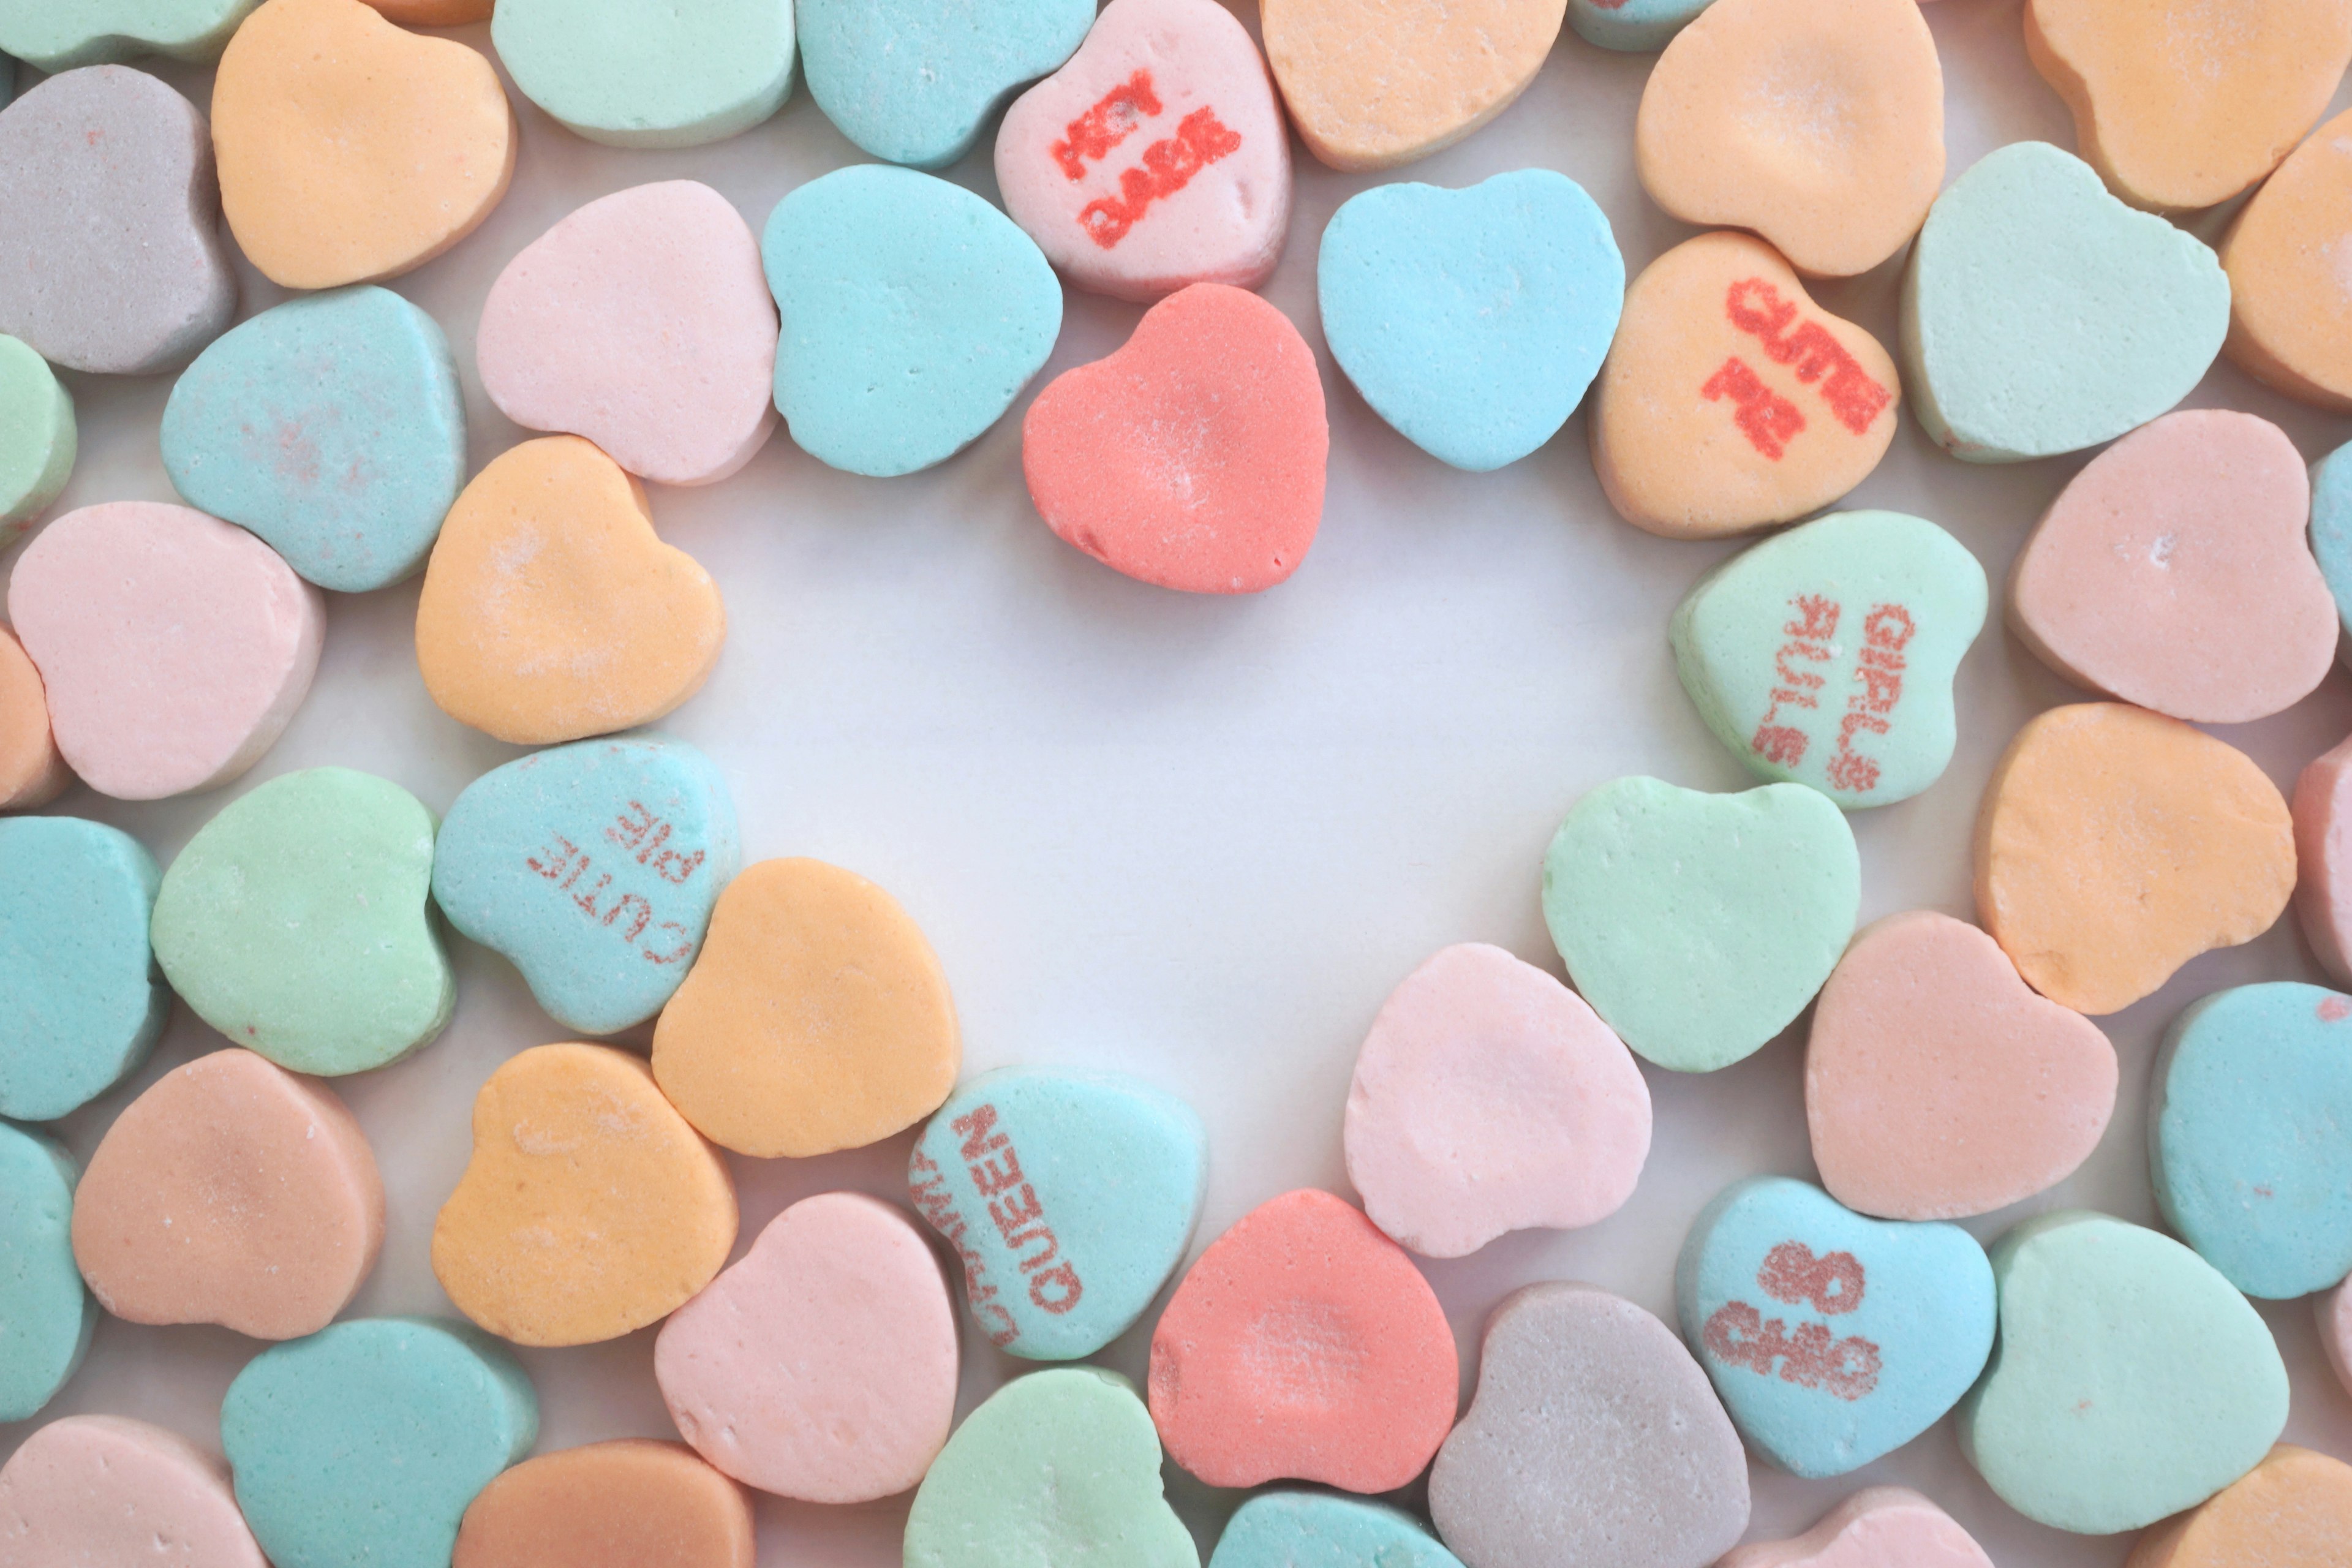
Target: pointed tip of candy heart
[[631, 1502], [106, 1488], [1877, 1527]]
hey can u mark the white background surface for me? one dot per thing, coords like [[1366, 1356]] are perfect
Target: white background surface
[[1197, 839]]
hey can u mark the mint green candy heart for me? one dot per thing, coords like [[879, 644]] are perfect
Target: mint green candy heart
[[1825, 655], [36, 432], [295, 922], [1059, 1466], [649, 73], [2130, 1380], [1699, 925], [45, 1316], [2041, 315]]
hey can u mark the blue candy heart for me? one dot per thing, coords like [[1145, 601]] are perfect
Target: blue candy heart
[[45, 1316], [1316, 1529], [1636, 26], [913, 80]]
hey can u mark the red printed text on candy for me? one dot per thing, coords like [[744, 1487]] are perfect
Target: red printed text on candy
[[1797, 689], [1812, 1357], [1168, 166], [1769, 420], [1110, 122], [994, 1166], [1878, 686], [1810, 351], [644, 838]]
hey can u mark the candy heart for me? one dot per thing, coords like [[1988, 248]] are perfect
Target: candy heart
[[1937, 1085], [366, 1443], [59, 35], [589, 1208], [2331, 528], [105, 1489], [330, 426], [2253, 1089], [1699, 925], [349, 151], [2336, 1330], [296, 922], [551, 611], [594, 867], [31, 772], [1877, 1527], [2293, 1507], [645, 73], [2115, 845], [111, 259], [1471, 321], [2041, 315], [642, 322], [231, 1192], [2173, 573], [37, 439], [1193, 458], [2183, 107], [816, 1019], [433, 13], [1833, 1338], [1825, 655], [629, 1503], [2288, 325], [45, 1316], [1373, 87], [1818, 123], [1593, 1437], [1057, 1467], [173, 649], [823, 1365], [1204, 195], [1315, 1530], [2130, 1381], [1069, 1196], [914, 312], [1635, 25], [1731, 400], [77, 981], [1303, 1345], [2323, 853], [1489, 1098], [913, 82]]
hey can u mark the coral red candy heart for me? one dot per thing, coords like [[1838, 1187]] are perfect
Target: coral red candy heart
[[1303, 1344], [1193, 458]]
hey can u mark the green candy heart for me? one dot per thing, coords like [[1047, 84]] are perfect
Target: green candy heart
[[296, 922], [1699, 925], [1057, 1467], [1825, 655], [2130, 1380]]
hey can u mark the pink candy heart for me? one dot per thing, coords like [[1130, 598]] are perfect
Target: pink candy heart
[[104, 1488], [1878, 1527]]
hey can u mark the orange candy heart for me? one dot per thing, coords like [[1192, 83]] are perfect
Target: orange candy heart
[[630, 1503], [32, 771], [2291, 1510], [2290, 317]]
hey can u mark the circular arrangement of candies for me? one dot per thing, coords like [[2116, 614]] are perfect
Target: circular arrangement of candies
[[309, 267]]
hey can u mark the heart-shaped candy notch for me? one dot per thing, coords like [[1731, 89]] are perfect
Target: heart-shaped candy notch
[[630, 74], [1877, 1527], [332, 428], [1156, 158], [1825, 655], [1471, 321], [350, 150], [232, 1191], [2041, 315], [1699, 925], [823, 1365], [1593, 1437], [1316, 1529], [48, 1313], [2293, 1507], [1833, 1338], [2172, 572], [1063, 1463], [1819, 125], [32, 771], [56, 36], [1193, 458], [2253, 1085], [642, 322], [174, 648], [1370, 89], [2115, 845], [39, 439], [551, 610], [105, 1489], [1303, 1345], [589, 1209], [1489, 1098], [1731, 400], [914, 83], [2287, 327], [627, 1503], [1937, 1085], [1070, 1197], [2131, 1381], [296, 923]]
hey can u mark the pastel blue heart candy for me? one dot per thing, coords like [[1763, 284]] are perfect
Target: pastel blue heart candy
[[78, 985], [649, 73], [2248, 1135], [913, 80], [45, 1316], [1070, 1197], [2041, 315], [1833, 1338], [56, 36], [2331, 526], [361, 1445], [914, 312], [1316, 1529], [1473, 321], [594, 867], [332, 427], [1632, 24]]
